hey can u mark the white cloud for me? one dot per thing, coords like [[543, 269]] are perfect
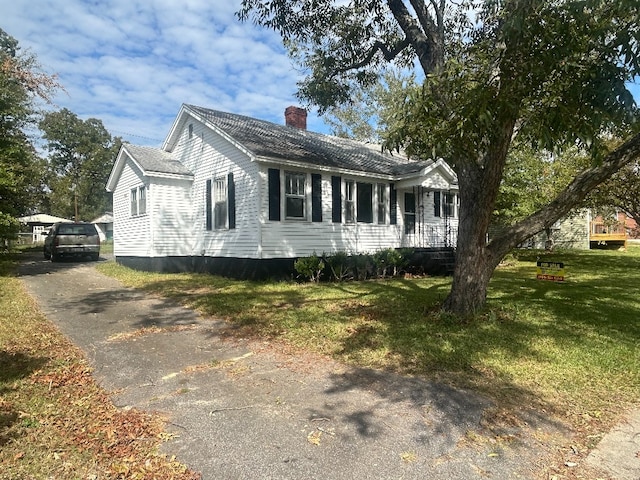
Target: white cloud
[[132, 63]]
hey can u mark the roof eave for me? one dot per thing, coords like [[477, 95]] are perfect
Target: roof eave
[[116, 169], [175, 176], [279, 162]]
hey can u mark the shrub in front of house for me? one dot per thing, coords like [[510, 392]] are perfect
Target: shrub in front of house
[[341, 266], [310, 267]]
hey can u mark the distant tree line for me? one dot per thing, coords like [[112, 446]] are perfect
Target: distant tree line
[[64, 176]]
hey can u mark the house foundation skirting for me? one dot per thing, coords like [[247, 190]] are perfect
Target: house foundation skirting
[[432, 261], [239, 268]]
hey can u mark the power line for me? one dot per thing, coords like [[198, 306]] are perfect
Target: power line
[[135, 136]]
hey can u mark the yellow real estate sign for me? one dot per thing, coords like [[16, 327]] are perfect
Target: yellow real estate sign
[[553, 271]]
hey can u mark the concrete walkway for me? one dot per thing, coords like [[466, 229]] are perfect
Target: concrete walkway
[[241, 409]]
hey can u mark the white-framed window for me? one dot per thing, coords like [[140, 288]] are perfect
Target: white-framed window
[[350, 201], [449, 204], [295, 203], [359, 202], [382, 203], [134, 201], [220, 208], [142, 200], [138, 199]]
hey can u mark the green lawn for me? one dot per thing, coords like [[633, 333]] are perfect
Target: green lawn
[[567, 347]]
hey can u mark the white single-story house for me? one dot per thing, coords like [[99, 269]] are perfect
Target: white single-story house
[[39, 225], [243, 197]]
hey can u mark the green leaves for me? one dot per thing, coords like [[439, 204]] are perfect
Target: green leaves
[[81, 155]]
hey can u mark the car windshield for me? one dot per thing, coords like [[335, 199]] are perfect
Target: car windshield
[[76, 229]]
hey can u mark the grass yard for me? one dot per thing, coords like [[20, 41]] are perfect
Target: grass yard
[[569, 348], [55, 421]]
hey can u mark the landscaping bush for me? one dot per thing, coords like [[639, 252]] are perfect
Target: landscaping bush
[[339, 265], [310, 267]]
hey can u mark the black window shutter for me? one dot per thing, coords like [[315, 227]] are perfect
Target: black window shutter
[[231, 200], [393, 199], [336, 199], [364, 202], [274, 194], [436, 204], [316, 197], [208, 213]]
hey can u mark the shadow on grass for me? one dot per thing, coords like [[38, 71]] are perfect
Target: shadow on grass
[[533, 328]]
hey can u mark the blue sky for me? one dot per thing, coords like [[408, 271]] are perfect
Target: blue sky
[[132, 63]]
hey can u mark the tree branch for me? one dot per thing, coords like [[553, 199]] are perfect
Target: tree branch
[[423, 37], [378, 46], [569, 198]]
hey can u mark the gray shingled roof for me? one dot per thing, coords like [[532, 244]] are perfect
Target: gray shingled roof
[[155, 160], [280, 142]]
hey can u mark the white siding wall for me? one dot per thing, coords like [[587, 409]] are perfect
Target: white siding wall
[[292, 238], [209, 156], [171, 217], [131, 235], [175, 224]]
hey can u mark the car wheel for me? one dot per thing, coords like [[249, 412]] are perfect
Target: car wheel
[[95, 257]]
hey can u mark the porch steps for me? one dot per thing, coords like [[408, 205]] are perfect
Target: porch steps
[[433, 261]]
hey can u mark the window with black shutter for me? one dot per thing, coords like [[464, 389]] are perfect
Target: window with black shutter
[[316, 197], [365, 202], [336, 199], [274, 194]]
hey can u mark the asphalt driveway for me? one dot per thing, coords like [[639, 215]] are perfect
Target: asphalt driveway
[[245, 409]]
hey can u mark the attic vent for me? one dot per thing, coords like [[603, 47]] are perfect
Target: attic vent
[[190, 130], [296, 117]]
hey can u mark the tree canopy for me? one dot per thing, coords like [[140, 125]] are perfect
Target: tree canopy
[[548, 74], [81, 154], [21, 171]]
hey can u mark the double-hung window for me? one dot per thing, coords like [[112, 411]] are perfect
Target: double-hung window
[[350, 201], [449, 204], [220, 203], [142, 200], [358, 199], [134, 202], [295, 195], [138, 197]]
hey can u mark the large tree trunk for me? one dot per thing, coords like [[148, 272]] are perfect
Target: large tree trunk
[[475, 262], [476, 259]]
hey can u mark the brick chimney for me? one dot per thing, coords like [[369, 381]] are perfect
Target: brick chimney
[[295, 117]]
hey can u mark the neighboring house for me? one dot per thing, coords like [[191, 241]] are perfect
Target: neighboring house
[[581, 230], [38, 226], [611, 232], [571, 231], [244, 197], [104, 224]]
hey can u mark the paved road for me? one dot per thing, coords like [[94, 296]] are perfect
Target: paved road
[[242, 409]]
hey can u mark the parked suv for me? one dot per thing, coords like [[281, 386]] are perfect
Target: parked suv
[[78, 239]]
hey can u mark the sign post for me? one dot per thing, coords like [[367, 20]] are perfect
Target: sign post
[[553, 271]]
